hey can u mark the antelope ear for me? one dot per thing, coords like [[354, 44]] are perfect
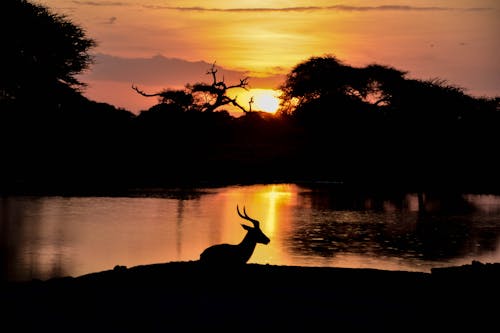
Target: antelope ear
[[246, 227]]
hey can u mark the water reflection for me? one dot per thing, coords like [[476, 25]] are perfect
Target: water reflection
[[42, 237], [402, 231]]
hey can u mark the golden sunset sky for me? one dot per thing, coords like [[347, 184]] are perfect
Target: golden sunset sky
[[159, 44]]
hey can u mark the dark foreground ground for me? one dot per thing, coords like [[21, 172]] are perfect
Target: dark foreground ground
[[188, 297]]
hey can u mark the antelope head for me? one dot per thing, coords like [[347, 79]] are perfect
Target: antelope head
[[254, 232]]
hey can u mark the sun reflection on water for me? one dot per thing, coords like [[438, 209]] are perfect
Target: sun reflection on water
[[277, 195]]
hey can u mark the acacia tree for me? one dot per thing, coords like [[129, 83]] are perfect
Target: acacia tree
[[323, 85], [41, 51], [204, 97], [326, 84]]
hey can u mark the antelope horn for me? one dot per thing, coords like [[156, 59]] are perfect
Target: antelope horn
[[246, 217]]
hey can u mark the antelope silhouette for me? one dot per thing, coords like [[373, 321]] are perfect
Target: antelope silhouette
[[236, 254]]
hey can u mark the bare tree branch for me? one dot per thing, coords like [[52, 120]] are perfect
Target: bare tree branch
[[214, 94], [143, 93]]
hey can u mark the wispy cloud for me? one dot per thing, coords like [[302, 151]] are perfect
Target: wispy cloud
[[101, 3], [317, 8]]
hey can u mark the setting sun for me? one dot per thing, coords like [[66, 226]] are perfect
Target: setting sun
[[266, 100]]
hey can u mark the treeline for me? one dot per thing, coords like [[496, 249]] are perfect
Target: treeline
[[380, 127], [82, 145], [368, 127], [68, 143]]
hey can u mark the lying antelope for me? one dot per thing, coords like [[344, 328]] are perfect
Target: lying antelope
[[230, 254]]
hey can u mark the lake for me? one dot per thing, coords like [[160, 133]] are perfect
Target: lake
[[51, 236]]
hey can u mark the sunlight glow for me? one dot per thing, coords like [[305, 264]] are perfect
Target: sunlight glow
[[266, 100]]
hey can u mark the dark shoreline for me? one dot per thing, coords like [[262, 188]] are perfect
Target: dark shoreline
[[183, 187], [187, 296]]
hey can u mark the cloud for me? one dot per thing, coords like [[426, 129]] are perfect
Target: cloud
[[285, 9], [316, 8], [167, 72]]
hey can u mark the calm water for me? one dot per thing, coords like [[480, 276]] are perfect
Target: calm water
[[43, 237]]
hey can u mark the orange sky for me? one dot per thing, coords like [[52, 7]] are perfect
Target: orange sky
[[456, 40]]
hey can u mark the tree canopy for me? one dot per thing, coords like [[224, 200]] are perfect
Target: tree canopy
[[41, 50], [324, 87]]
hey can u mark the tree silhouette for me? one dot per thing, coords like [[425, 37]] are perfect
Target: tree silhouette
[[372, 123], [325, 83], [41, 51], [203, 97]]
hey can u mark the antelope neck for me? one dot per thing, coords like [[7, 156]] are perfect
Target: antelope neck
[[248, 243]]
